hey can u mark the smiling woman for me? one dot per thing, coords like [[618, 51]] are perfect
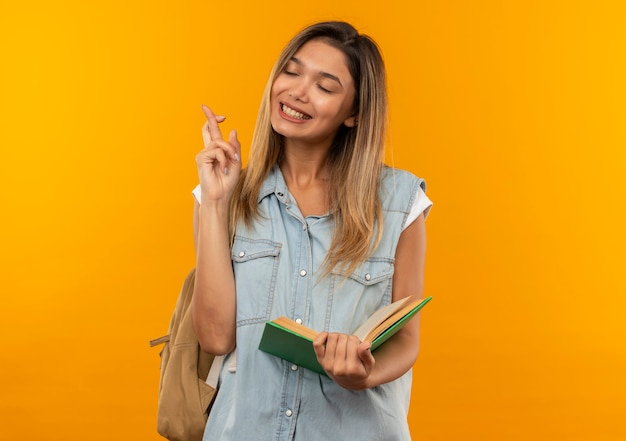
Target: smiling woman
[[315, 228], [514, 111]]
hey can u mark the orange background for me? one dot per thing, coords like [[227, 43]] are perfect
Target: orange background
[[513, 112]]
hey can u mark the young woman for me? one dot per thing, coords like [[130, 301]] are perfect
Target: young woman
[[315, 228]]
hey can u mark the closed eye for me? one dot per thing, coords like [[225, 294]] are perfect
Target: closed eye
[[323, 89]]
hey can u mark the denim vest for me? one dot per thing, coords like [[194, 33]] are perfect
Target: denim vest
[[277, 263]]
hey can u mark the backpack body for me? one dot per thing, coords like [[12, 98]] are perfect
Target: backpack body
[[184, 395]]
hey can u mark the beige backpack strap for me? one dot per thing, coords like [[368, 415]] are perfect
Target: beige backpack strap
[[159, 341]]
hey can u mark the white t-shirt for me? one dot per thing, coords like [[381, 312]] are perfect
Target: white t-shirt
[[421, 204]]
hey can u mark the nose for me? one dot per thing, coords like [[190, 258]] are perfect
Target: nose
[[298, 91]]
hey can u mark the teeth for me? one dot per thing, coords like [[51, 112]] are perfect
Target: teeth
[[293, 113]]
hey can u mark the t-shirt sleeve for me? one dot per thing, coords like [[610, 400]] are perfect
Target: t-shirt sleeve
[[421, 204], [197, 193]]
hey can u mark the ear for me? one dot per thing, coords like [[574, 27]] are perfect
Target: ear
[[350, 122]]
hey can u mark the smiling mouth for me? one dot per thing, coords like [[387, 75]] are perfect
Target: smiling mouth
[[294, 113]]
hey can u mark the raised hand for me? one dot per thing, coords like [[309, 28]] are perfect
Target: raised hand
[[219, 163], [346, 359]]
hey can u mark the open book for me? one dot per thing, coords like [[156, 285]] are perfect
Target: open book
[[293, 342]]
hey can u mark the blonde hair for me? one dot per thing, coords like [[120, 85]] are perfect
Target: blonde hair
[[354, 161]]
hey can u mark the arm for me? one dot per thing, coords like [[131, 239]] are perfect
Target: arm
[[348, 361], [398, 354], [213, 307]]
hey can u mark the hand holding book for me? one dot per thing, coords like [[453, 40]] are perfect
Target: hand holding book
[[293, 342], [345, 358]]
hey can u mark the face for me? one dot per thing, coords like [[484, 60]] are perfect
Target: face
[[313, 96]]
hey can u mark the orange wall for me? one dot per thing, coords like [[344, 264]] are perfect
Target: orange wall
[[512, 111]]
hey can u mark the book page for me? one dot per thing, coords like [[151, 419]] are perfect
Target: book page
[[287, 323], [378, 317], [395, 317]]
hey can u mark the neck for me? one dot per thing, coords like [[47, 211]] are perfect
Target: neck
[[302, 173], [301, 163]]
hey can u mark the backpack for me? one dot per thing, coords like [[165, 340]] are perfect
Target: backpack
[[184, 395]]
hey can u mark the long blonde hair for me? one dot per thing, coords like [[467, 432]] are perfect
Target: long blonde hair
[[355, 159]]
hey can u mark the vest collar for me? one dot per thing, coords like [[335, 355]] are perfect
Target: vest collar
[[275, 183]]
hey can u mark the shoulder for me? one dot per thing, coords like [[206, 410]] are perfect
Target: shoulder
[[399, 188]]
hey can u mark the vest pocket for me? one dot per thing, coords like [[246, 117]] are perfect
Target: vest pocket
[[374, 270], [255, 263], [355, 297]]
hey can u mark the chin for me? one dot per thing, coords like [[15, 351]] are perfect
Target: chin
[[279, 127]]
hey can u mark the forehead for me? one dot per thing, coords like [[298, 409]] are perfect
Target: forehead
[[319, 56]]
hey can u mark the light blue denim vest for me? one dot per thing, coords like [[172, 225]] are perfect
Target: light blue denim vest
[[276, 265]]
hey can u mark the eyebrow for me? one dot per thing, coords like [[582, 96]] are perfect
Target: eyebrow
[[322, 73]]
